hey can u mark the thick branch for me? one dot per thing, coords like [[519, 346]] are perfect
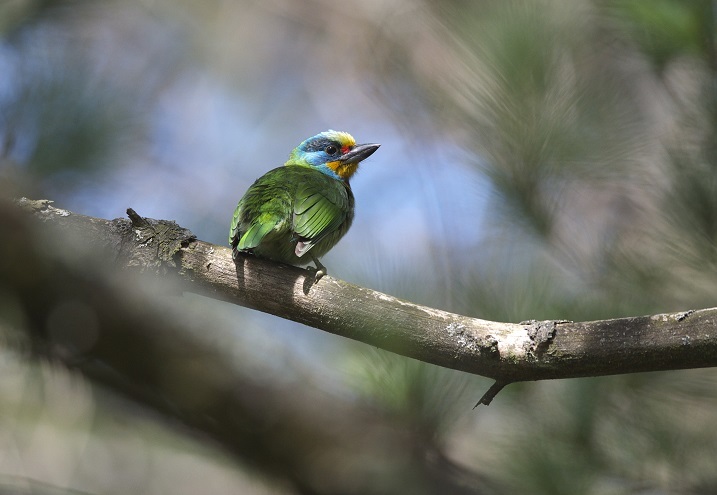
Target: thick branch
[[507, 352], [60, 303]]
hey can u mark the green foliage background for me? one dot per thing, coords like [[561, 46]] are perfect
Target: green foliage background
[[585, 137]]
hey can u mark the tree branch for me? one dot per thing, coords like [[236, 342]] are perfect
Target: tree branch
[[61, 303], [506, 352]]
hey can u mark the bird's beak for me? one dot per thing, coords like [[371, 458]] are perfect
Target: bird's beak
[[359, 153]]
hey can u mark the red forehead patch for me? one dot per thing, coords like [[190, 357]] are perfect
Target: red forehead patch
[[345, 149]]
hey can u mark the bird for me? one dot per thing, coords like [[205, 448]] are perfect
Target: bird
[[296, 213]]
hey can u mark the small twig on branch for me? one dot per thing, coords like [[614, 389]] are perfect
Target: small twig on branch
[[136, 220], [490, 394]]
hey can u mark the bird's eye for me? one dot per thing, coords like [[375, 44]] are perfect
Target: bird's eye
[[331, 149]]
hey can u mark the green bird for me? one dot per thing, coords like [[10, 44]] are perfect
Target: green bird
[[296, 213]]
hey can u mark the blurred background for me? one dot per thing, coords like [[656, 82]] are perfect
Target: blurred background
[[540, 159]]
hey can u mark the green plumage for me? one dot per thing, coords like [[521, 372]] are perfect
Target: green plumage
[[297, 213], [288, 205]]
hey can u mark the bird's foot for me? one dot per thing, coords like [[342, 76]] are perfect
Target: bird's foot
[[320, 270]]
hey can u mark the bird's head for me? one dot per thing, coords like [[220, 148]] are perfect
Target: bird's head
[[334, 153]]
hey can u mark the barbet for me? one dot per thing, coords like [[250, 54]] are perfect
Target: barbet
[[296, 213]]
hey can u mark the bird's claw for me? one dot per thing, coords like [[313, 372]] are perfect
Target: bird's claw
[[320, 270]]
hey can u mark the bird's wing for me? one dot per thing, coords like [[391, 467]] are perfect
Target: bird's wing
[[318, 211], [255, 216], [256, 232], [234, 229]]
